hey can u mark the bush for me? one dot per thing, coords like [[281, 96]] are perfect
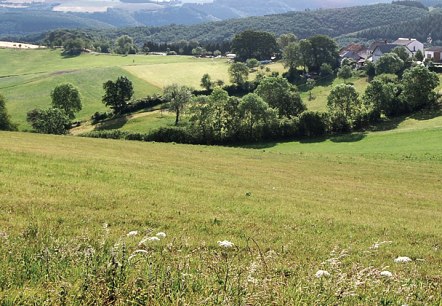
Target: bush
[[50, 121], [172, 134], [313, 124], [107, 134], [97, 117]]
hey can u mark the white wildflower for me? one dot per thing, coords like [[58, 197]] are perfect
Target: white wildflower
[[161, 235], [402, 259], [137, 252], [132, 233], [89, 252], [3, 235], [378, 244], [226, 244], [147, 239], [386, 273], [322, 273]]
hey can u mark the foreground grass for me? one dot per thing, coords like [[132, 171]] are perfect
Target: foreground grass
[[289, 213]]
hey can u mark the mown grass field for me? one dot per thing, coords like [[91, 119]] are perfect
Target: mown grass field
[[291, 209]]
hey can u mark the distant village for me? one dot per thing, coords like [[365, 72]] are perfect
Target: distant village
[[362, 54]]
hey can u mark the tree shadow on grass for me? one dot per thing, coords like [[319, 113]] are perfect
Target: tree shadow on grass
[[427, 114], [353, 137], [112, 124]]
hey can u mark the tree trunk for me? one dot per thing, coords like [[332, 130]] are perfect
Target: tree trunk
[[177, 118]]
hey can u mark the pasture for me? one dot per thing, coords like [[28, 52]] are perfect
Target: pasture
[[30, 75], [349, 206]]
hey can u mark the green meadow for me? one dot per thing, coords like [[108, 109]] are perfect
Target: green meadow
[[347, 205], [34, 73]]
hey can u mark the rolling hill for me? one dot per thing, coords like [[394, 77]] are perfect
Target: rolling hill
[[349, 205], [333, 22]]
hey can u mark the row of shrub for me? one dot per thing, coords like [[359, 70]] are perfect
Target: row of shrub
[[308, 124]]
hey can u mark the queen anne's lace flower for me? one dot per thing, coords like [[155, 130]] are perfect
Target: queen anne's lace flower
[[322, 273], [226, 244]]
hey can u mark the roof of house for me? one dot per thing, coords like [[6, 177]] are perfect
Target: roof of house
[[350, 54], [386, 48], [433, 49], [404, 41], [354, 47], [376, 44]]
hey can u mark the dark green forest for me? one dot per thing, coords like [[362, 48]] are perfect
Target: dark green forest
[[419, 28], [331, 22]]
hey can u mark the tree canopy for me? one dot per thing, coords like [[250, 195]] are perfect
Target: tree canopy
[[118, 93], [178, 97], [254, 44], [5, 121], [281, 95], [67, 98], [239, 73]]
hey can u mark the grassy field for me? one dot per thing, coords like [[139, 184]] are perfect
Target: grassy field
[[291, 209], [34, 73], [321, 91]]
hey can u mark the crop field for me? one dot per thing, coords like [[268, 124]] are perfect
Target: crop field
[[349, 206]]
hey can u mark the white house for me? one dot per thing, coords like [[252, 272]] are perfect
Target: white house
[[382, 49], [434, 54], [412, 44]]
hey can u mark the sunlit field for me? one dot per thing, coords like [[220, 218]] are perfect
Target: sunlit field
[[350, 207]]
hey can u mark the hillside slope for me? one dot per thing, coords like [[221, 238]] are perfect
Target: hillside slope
[[349, 213], [332, 22]]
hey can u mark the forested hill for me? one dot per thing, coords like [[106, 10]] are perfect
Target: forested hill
[[332, 22], [420, 29], [14, 22]]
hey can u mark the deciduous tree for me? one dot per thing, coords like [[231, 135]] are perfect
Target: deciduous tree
[[281, 95], [67, 98], [254, 44], [178, 97], [418, 87], [389, 63], [50, 121], [5, 121], [239, 72], [117, 93]]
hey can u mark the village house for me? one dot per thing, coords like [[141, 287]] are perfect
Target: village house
[[356, 52], [434, 54], [412, 45]]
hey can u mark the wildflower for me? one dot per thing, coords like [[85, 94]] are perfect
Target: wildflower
[[386, 274], [402, 259], [322, 273], [144, 252], [161, 235], [226, 244], [132, 233], [142, 242], [378, 244]]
